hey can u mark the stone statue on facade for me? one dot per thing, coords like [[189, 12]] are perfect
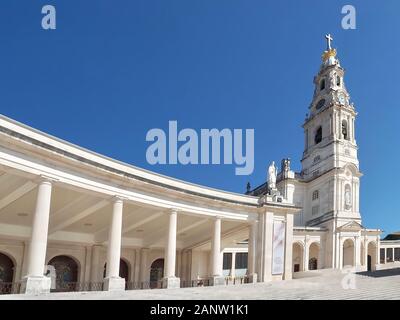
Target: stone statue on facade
[[248, 187], [285, 165], [272, 172]]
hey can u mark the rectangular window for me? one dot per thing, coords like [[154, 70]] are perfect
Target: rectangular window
[[241, 260], [227, 261], [389, 255], [382, 254], [397, 254]]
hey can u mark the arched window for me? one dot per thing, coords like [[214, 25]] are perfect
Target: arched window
[[338, 81], [315, 195], [6, 269], [322, 85], [156, 273], [345, 130], [66, 273], [318, 135]]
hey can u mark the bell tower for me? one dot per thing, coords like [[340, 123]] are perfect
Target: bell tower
[[329, 163]]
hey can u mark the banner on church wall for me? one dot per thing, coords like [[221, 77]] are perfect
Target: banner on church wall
[[278, 249]]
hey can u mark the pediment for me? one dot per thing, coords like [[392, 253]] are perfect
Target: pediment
[[351, 226]]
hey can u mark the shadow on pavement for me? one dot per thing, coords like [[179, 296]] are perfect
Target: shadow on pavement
[[381, 273]]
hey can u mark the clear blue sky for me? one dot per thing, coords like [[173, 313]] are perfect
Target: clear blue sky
[[115, 69]]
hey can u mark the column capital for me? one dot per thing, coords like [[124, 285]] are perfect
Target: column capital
[[44, 179], [173, 210], [117, 199]]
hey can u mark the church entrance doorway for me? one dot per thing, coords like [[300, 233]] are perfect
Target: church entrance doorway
[[297, 257], [348, 253], [314, 253], [156, 273]]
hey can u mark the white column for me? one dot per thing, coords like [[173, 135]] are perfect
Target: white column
[[365, 256], [233, 264], [24, 269], [288, 247], [321, 255], [338, 251], [96, 272], [378, 254], [35, 282], [137, 265], [306, 254], [251, 255], [264, 246], [88, 263], [216, 278], [113, 281], [334, 120], [144, 271], [170, 280], [357, 252]]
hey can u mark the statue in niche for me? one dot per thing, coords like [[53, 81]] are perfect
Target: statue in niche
[[347, 197]]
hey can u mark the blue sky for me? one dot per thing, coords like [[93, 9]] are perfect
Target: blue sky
[[112, 70]]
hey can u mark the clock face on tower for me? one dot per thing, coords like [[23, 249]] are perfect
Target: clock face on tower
[[342, 98]]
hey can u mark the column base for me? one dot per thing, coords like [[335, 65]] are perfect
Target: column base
[[252, 278], [217, 281], [171, 283], [114, 284], [35, 285], [288, 275]]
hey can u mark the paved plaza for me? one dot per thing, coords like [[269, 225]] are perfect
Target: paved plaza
[[314, 285]]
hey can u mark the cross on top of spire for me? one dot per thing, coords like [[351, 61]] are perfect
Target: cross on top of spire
[[328, 38]]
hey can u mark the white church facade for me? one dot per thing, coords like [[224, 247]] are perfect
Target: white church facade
[[74, 220], [328, 232]]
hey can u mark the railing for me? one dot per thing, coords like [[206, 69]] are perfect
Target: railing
[[10, 287], [236, 280], [195, 283], [142, 285], [14, 287], [78, 286]]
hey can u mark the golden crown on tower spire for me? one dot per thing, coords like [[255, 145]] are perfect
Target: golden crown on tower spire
[[329, 52]]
